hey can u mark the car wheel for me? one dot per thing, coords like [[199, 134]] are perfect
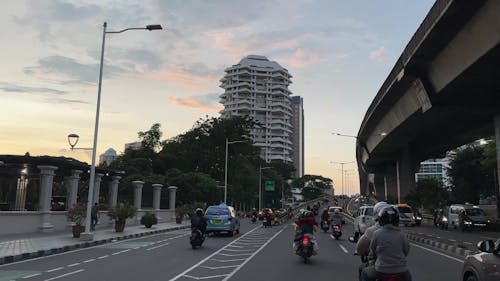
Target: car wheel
[[238, 231], [231, 233], [471, 277]]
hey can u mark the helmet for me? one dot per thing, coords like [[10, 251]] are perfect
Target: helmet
[[199, 211], [378, 207], [336, 211], [389, 215], [308, 214]]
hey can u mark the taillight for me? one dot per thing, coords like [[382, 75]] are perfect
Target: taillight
[[326, 222], [337, 227], [230, 219], [305, 240]]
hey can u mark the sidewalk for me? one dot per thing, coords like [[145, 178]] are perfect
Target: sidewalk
[[16, 248]]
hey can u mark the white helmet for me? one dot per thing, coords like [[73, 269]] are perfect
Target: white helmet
[[378, 207]]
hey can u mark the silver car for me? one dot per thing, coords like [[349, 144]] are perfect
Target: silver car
[[485, 265]]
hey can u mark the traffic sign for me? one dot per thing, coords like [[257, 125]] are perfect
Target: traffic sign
[[269, 186]]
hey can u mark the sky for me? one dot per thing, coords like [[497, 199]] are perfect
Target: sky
[[338, 52]]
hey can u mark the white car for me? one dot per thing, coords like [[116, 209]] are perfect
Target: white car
[[364, 219]]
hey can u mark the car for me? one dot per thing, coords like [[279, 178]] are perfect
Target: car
[[364, 219], [222, 218], [341, 210], [405, 214], [484, 265], [475, 216]]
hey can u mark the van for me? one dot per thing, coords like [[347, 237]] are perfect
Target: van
[[222, 218], [364, 219], [475, 216], [405, 214]]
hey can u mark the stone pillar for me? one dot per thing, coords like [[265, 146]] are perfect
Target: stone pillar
[[113, 191], [97, 187], [72, 186], [380, 187], [497, 136], [156, 196], [172, 191], [138, 194], [391, 182], [47, 174]]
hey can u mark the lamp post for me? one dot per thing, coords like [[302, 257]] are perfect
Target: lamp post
[[88, 235], [342, 165], [225, 166], [260, 185]]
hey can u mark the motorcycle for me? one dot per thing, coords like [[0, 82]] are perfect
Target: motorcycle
[[305, 248], [254, 218], [266, 222], [276, 220], [325, 225], [337, 231], [197, 238], [383, 276]]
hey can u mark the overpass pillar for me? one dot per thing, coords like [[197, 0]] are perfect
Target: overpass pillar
[[405, 170], [380, 186], [391, 183], [497, 136]]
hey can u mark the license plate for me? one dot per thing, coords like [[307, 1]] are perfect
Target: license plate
[[216, 221], [479, 224]]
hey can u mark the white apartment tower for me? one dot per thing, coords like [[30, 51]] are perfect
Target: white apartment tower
[[258, 88]]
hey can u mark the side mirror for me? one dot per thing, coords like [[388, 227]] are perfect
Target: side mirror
[[486, 246]]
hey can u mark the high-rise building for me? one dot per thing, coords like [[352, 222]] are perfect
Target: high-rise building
[[133, 145], [258, 87], [298, 135], [107, 157], [434, 169]]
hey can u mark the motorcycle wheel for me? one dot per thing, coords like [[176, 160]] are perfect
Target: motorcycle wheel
[[193, 246], [305, 258]]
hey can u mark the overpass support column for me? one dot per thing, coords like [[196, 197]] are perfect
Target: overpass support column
[[380, 187], [391, 183], [497, 136], [405, 170]]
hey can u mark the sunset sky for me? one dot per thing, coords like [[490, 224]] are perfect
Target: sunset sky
[[339, 53]]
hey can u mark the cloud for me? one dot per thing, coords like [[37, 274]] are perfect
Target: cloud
[[65, 101], [206, 102], [69, 68], [300, 58], [192, 77], [378, 54], [15, 88]]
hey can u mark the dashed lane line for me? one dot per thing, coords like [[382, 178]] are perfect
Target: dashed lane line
[[156, 247], [437, 253], [120, 252], [219, 267], [102, 257], [64, 275], [74, 264], [205, 277], [32, 275], [54, 269], [90, 260], [343, 248], [233, 260], [234, 255]]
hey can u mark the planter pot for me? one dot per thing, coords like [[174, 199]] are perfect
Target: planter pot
[[77, 230], [178, 220], [148, 225], [119, 226]]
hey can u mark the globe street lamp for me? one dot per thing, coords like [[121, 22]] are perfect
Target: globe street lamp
[[88, 235], [260, 185], [225, 167]]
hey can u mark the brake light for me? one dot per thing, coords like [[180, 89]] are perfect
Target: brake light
[[305, 240], [337, 227], [230, 219], [326, 222]]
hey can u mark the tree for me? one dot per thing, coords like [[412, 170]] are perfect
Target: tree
[[151, 139], [428, 193], [312, 186]]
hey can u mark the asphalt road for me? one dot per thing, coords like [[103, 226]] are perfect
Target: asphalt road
[[255, 254]]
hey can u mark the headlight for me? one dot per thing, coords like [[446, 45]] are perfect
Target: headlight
[[445, 219], [468, 222], [419, 218]]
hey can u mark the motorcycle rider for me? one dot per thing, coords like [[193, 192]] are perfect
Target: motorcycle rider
[[306, 224], [324, 215], [363, 244], [198, 221], [389, 247], [336, 217]]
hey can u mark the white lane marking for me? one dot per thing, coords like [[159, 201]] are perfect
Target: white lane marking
[[234, 255], [120, 252], [238, 250], [54, 269], [468, 243], [136, 248], [437, 253], [235, 246], [452, 240], [210, 256], [219, 267], [74, 264], [156, 247], [206, 277], [32, 275], [64, 275], [343, 248], [253, 255], [102, 257], [82, 249], [228, 260], [87, 261]]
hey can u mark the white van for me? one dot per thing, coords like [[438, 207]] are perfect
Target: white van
[[475, 216], [364, 219]]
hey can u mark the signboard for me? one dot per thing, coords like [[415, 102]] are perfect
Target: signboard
[[269, 186]]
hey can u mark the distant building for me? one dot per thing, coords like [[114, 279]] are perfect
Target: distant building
[[434, 169], [133, 145], [298, 135], [107, 157], [258, 88]]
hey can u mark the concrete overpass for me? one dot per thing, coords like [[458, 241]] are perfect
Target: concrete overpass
[[443, 92]]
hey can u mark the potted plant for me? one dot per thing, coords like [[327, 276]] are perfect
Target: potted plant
[[76, 215], [120, 214], [149, 219]]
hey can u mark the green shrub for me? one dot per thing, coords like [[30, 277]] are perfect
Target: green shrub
[[122, 212], [149, 219]]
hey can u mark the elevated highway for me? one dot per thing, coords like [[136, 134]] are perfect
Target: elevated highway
[[443, 92]]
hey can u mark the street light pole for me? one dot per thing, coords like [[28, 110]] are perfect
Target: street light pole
[[342, 165], [260, 185], [225, 167], [88, 235]]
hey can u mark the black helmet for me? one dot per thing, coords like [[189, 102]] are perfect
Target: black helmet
[[199, 212], [389, 215]]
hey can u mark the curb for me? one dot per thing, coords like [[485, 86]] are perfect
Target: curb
[[451, 249], [68, 248]]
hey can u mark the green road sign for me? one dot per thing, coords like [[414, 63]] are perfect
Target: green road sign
[[269, 185]]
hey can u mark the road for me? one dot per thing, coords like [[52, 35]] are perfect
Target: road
[[255, 254]]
